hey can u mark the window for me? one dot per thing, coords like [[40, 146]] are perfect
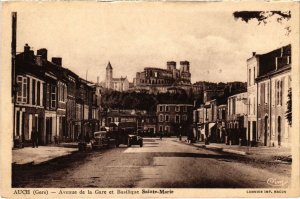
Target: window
[[53, 96], [267, 93], [161, 108], [38, 94], [22, 89], [258, 95], [33, 92], [184, 118], [262, 93], [161, 118], [279, 92], [160, 128], [249, 106], [254, 74], [177, 108], [62, 92], [167, 108], [254, 106], [166, 118], [177, 119], [167, 129], [185, 109], [249, 77], [223, 114], [233, 105]]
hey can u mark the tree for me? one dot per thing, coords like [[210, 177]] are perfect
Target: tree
[[288, 115], [264, 16]]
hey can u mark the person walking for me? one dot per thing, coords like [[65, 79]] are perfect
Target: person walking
[[161, 135], [34, 138]]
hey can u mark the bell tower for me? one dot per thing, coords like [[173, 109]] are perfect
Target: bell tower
[[109, 75]]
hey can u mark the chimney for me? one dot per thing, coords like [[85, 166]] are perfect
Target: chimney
[[253, 54], [57, 61], [43, 53], [39, 60], [28, 54], [26, 48]]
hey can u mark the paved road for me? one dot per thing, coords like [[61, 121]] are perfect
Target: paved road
[[160, 163]]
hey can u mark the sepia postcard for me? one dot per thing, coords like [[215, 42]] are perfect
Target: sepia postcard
[[149, 99]]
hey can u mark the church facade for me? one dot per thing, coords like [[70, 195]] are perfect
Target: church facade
[[118, 84]]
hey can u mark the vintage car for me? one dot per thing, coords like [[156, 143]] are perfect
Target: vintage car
[[128, 139], [100, 139], [135, 140]]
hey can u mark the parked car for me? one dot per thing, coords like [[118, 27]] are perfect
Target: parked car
[[100, 139]]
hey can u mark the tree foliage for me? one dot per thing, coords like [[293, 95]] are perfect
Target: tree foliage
[[289, 107], [264, 16], [141, 101]]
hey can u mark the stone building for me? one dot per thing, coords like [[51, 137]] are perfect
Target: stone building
[[252, 72], [236, 118], [29, 97], [138, 120], [51, 99], [174, 119], [273, 82], [160, 80], [119, 84]]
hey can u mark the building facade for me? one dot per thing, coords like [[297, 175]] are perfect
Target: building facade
[[174, 119], [274, 82], [29, 103], [51, 99], [119, 84], [158, 80], [252, 71], [237, 118]]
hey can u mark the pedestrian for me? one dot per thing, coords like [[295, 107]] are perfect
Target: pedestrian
[[34, 138]]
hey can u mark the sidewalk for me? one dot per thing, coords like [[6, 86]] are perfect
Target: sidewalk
[[29, 155], [262, 154]]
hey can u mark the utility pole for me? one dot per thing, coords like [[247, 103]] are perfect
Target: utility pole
[[13, 67]]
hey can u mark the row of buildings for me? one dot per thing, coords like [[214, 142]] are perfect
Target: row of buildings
[[62, 106], [257, 116], [52, 99], [168, 119]]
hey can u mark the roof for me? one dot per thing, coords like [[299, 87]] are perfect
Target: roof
[[108, 66], [267, 61], [274, 72]]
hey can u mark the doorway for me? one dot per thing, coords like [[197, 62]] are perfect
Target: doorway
[[266, 131], [279, 131]]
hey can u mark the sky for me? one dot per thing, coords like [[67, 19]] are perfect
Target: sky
[[132, 37]]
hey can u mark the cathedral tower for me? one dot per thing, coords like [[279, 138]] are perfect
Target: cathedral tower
[[109, 75]]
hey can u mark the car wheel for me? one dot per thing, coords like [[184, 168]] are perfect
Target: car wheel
[[141, 144]]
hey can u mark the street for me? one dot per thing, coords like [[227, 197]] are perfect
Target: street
[[162, 163]]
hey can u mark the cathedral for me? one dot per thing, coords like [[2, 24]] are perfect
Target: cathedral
[[119, 84]]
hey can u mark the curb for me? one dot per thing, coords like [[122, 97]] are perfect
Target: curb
[[30, 163], [220, 149], [215, 148]]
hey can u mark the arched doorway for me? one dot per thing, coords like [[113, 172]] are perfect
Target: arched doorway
[[266, 131], [279, 131]]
